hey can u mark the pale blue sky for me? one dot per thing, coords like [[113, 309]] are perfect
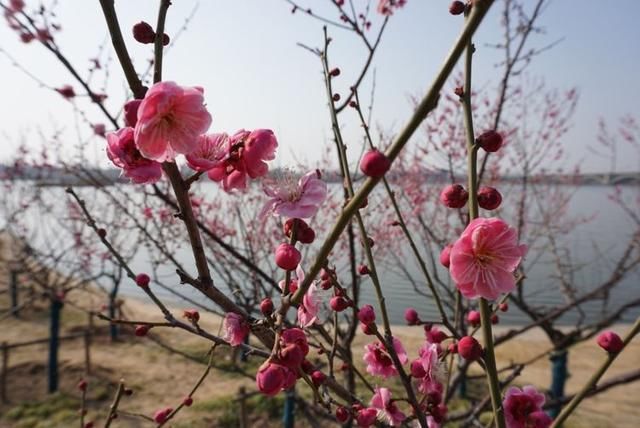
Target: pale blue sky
[[244, 53]]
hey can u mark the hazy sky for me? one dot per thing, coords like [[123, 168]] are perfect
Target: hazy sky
[[244, 53]]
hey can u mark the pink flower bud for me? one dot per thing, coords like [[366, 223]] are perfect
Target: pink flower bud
[[454, 196], [339, 303], [473, 318], [287, 256], [297, 336], [270, 378], [490, 141], [417, 369], [610, 342], [374, 164], [445, 256], [266, 307], [456, 8], [342, 414], [366, 417], [489, 198], [143, 33], [142, 280], [504, 307], [131, 112], [142, 330], [368, 329], [318, 378], [366, 314], [411, 316], [187, 402], [161, 415], [453, 348], [469, 348], [291, 356]]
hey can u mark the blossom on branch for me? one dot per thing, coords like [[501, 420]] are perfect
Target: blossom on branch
[[523, 408], [484, 258], [124, 154], [294, 198], [379, 362], [170, 119]]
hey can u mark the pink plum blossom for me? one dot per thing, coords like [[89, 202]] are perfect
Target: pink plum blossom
[[484, 258], [235, 328], [170, 119], [291, 198], [211, 151], [387, 409], [434, 369], [366, 417], [523, 408], [122, 151], [308, 310], [247, 153], [379, 362]]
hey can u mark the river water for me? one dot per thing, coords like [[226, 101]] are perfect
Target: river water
[[594, 246]]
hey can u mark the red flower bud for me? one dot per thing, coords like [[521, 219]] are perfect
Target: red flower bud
[[306, 235], [368, 329], [307, 366], [82, 385], [456, 8], [504, 307], [161, 415], [473, 318], [318, 378], [363, 270], [469, 348], [287, 256], [454, 196], [339, 303], [102, 233], [490, 141], [335, 72], [366, 314], [489, 198], [142, 280], [66, 91], [143, 33], [411, 316], [336, 97], [142, 330], [374, 164], [187, 402], [192, 315], [342, 414], [495, 319], [453, 348], [610, 342], [266, 306]]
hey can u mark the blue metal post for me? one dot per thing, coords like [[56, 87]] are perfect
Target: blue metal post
[[288, 420], [54, 341], [559, 376], [13, 284]]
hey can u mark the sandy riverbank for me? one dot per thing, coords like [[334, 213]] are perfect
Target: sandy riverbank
[[161, 378]]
